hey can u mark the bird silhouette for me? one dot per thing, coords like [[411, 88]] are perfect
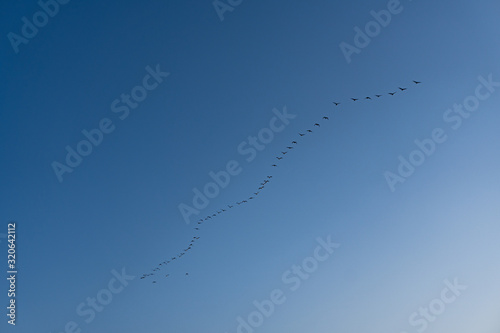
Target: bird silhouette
[[284, 152], [309, 131], [416, 82], [367, 97], [290, 147], [279, 158], [326, 118], [378, 95], [392, 94], [316, 124], [274, 165], [336, 103], [354, 99], [301, 134], [402, 89]]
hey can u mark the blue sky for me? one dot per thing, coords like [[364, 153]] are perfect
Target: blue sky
[[119, 208]]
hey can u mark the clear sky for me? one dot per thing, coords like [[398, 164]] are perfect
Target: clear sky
[[118, 208]]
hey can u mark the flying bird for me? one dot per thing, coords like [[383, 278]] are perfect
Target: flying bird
[[274, 165], [309, 131], [301, 134], [326, 118], [378, 95], [279, 158], [284, 152], [402, 89], [354, 99], [416, 82], [336, 103], [368, 97], [316, 124], [392, 94], [290, 147]]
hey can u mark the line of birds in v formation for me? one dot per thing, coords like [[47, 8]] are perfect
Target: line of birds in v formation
[[160, 266]]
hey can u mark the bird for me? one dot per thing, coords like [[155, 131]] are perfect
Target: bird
[[279, 158], [326, 118], [230, 206], [378, 95], [269, 177], [284, 152], [187, 273], [336, 103], [402, 89], [309, 131], [392, 94], [256, 193], [416, 82], [316, 124], [301, 134], [167, 275], [368, 97], [223, 210], [354, 99], [290, 147], [274, 165], [154, 281]]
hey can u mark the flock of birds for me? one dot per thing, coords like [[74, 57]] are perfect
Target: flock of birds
[[155, 272]]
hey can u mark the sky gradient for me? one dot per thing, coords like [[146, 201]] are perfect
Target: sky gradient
[[118, 209]]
